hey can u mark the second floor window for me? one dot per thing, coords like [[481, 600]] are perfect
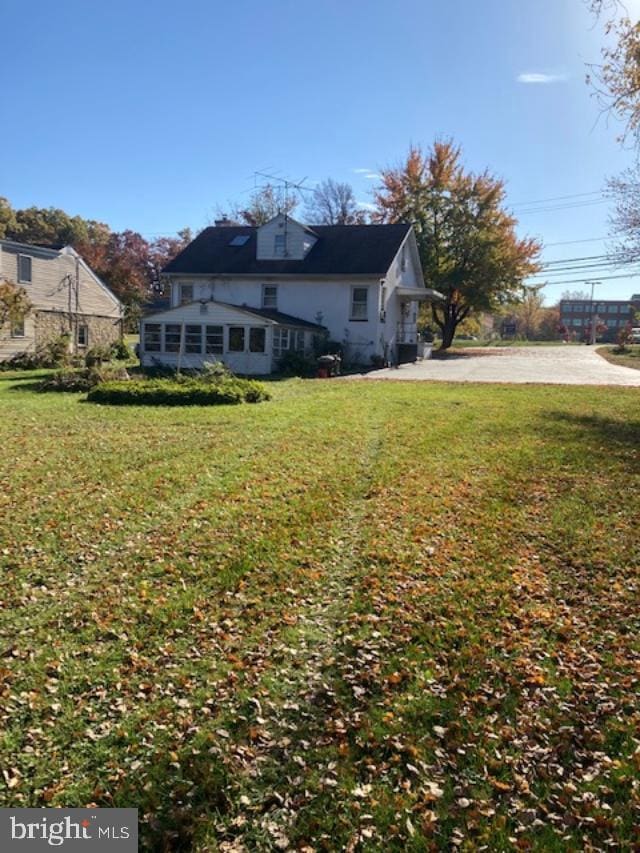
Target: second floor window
[[186, 293], [280, 245], [359, 296], [24, 268], [269, 295]]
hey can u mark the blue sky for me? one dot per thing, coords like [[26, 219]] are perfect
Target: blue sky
[[150, 116]]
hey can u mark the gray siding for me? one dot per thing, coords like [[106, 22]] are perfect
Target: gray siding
[[53, 282]]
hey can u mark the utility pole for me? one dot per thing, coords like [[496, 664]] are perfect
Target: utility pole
[[592, 316]]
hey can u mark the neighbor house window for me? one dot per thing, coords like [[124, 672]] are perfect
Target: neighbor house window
[[257, 339], [152, 337], [193, 339], [280, 245], [83, 336], [24, 268], [359, 296], [186, 293], [236, 338], [269, 295], [17, 329], [214, 340], [172, 337]]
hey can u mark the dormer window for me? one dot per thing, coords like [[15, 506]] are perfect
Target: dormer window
[[280, 245], [186, 293]]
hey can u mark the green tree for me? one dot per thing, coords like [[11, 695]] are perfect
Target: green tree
[[15, 304], [7, 219], [468, 244]]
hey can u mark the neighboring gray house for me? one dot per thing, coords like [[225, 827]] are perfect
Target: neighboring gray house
[[67, 298], [247, 296]]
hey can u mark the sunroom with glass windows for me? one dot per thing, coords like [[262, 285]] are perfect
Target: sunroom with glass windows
[[250, 341]]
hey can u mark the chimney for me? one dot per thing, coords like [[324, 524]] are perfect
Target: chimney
[[225, 222]]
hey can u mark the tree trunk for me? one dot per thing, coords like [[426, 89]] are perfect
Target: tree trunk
[[448, 330]]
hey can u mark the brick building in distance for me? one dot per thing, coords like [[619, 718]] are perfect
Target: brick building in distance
[[611, 315]]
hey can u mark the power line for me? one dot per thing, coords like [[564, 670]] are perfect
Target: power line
[[555, 198], [585, 280], [584, 258], [572, 206], [574, 242]]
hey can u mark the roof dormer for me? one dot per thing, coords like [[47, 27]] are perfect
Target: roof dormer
[[282, 238]]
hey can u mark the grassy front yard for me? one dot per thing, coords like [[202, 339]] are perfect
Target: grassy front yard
[[363, 616], [631, 358]]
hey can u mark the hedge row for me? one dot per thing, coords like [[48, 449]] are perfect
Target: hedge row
[[169, 392]]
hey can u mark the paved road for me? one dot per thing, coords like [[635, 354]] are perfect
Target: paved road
[[555, 365]]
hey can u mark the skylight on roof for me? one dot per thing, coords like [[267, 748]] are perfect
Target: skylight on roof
[[240, 240]]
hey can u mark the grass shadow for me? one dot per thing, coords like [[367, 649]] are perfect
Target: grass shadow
[[606, 437]]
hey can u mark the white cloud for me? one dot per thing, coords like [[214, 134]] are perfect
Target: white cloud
[[539, 77], [361, 171], [365, 205]]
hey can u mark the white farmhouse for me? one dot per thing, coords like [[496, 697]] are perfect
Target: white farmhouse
[[246, 296]]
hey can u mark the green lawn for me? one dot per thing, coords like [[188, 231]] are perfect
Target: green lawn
[[363, 616], [630, 358]]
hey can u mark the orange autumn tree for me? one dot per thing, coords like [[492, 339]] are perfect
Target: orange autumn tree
[[468, 245]]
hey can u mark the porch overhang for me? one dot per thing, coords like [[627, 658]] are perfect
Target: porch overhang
[[419, 294]]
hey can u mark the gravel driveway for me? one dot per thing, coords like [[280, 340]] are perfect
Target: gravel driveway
[[555, 365]]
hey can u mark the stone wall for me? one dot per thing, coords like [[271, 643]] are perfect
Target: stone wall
[[103, 331]]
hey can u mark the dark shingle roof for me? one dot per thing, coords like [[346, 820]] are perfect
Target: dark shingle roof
[[340, 250], [279, 317]]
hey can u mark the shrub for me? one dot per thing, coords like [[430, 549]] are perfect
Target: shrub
[[297, 364], [214, 370], [120, 351], [169, 392], [97, 354], [83, 380], [55, 353], [22, 361]]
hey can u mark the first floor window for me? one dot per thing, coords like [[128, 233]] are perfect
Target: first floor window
[[236, 338], [214, 340], [299, 340], [172, 337], [280, 341], [269, 295], [359, 296], [24, 268], [193, 339], [83, 336], [17, 329], [152, 337], [257, 339]]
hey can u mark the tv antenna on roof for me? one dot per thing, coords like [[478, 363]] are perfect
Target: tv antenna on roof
[[286, 188]]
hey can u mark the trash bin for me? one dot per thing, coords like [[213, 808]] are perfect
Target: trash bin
[[328, 365]]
